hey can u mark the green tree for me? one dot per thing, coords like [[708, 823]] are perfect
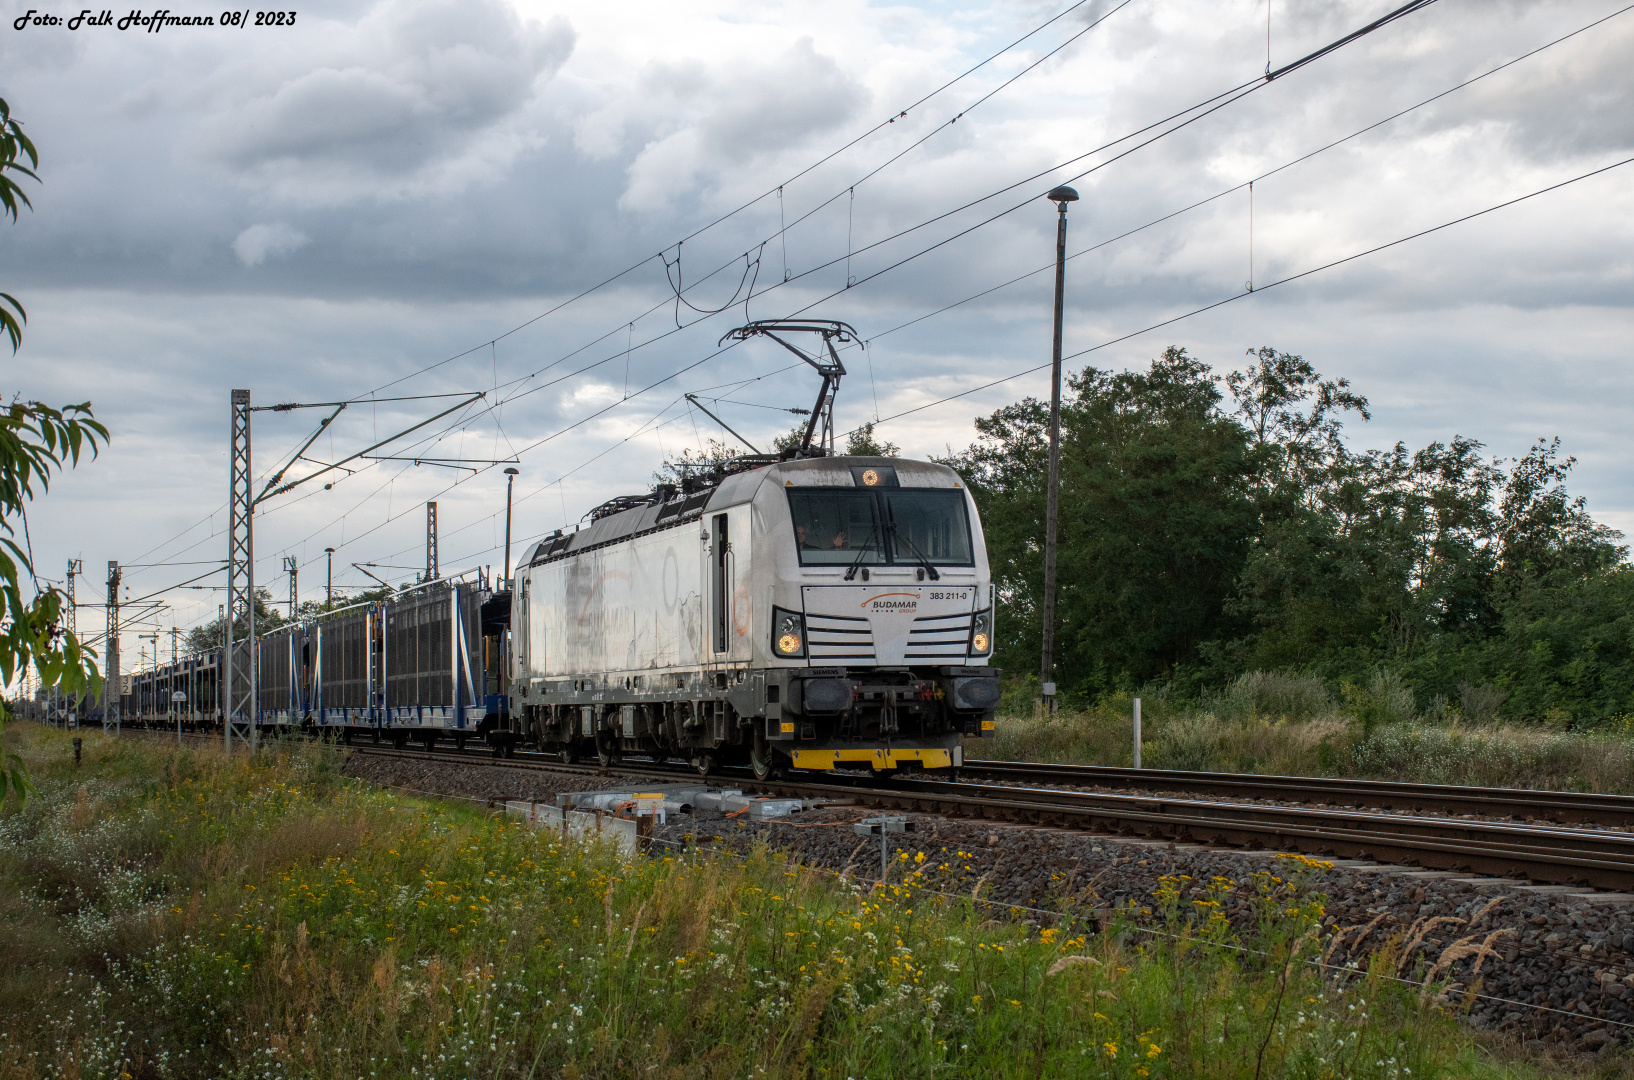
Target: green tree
[[36, 441], [208, 636], [862, 443], [1201, 538], [688, 462], [1158, 510], [14, 146]]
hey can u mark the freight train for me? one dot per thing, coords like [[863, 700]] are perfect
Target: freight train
[[801, 610]]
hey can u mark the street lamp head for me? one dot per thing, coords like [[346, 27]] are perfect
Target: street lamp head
[[330, 551], [512, 471], [1062, 195]]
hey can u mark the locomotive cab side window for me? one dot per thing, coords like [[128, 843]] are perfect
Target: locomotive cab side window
[[837, 528]]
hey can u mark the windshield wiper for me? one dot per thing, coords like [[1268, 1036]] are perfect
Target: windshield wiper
[[857, 562], [920, 555]]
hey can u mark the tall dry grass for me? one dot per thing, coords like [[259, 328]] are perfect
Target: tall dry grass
[[1275, 723]]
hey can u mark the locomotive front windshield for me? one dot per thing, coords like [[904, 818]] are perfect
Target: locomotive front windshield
[[837, 527], [867, 528], [928, 526]]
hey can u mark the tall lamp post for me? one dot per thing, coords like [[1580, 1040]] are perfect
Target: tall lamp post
[[1060, 196], [510, 479], [329, 581]]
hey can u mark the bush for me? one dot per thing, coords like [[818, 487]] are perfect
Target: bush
[[1274, 694], [1387, 700], [1479, 704]]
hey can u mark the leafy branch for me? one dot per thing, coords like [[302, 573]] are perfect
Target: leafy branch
[[14, 146], [36, 441]]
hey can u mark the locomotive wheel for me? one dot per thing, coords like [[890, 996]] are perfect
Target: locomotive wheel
[[704, 762], [764, 762], [605, 754], [568, 753], [376, 734], [459, 742]]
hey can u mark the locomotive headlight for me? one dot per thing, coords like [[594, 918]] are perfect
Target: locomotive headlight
[[981, 633], [788, 633]]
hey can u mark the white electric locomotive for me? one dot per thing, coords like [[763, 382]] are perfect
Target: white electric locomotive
[[818, 612]]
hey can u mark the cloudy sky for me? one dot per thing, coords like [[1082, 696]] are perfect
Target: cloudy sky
[[401, 199]]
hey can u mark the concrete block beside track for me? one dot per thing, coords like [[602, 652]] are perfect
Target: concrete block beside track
[[622, 833], [761, 809]]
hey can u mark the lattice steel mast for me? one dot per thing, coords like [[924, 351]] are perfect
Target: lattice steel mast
[[240, 675], [70, 622], [432, 573], [111, 688]]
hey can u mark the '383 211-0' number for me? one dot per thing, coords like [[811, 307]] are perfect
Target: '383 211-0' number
[[949, 596]]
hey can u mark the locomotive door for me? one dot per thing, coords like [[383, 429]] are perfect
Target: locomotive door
[[376, 686], [516, 646], [730, 610]]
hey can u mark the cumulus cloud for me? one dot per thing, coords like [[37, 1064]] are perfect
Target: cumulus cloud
[[729, 118], [258, 243], [407, 92]]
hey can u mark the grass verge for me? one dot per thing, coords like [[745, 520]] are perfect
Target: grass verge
[[171, 912]]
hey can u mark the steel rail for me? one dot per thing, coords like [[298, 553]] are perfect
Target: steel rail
[[1516, 803]]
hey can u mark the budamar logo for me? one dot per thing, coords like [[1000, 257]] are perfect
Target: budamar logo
[[885, 602]]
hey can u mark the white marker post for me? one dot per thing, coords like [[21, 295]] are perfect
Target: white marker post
[[1137, 733]]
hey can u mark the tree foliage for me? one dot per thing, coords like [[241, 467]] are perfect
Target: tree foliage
[[864, 443], [14, 147], [208, 636], [1212, 525], [36, 441]]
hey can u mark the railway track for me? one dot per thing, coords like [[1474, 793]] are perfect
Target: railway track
[[1515, 803], [1328, 822], [1597, 858]]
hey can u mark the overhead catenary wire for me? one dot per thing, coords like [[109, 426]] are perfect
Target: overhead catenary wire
[[1208, 106], [501, 399], [778, 189], [754, 263], [1200, 111], [1398, 114], [1360, 131], [1270, 76], [1264, 288], [1190, 114]]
